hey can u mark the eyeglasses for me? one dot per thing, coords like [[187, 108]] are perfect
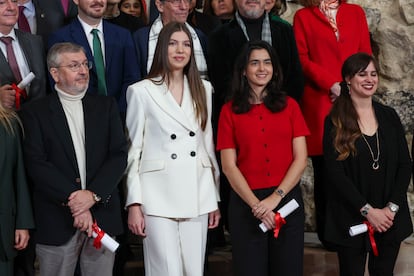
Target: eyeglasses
[[75, 67], [176, 3]]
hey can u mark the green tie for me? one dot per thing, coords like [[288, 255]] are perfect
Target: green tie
[[99, 64]]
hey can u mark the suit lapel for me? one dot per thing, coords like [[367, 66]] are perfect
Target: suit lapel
[[61, 126], [79, 37], [26, 48], [6, 74], [109, 36], [167, 103]]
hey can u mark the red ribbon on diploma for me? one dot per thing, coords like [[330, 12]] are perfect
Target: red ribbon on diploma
[[279, 222], [100, 233], [19, 93], [371, 237]]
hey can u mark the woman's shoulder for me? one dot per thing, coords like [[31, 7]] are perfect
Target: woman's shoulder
[[207, 86], [380, 107], [146, 84], [291, 103], [385, 111]]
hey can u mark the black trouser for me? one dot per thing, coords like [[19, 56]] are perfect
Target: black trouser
[[260, 254], [352, 260]]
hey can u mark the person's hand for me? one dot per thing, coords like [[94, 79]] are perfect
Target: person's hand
[[213, 219], [136, 222], [80, 201], [335, 91], [262, 208], [84, 222], [269, 220], [7, 96], [380, 219], [21, 238]]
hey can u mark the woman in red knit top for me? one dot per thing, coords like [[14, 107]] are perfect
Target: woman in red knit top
[[327, 32], [261, 138]]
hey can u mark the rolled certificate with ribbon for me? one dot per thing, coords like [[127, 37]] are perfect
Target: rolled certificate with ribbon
[[26, 80], [362, 228], [358, 229], [280, 215], [101, 238], [19, 88]]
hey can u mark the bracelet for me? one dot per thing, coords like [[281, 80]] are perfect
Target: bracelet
[[393, 207], [364, 211], [280, 193]]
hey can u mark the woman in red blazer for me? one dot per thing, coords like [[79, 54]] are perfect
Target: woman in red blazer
[[326, 32]]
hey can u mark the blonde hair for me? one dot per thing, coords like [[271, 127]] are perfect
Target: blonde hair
[[7, 116]]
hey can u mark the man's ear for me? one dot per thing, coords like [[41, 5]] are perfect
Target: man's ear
[[160, 5], [54, 73]]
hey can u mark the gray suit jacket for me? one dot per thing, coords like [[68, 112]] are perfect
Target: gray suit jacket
[[33, 50]]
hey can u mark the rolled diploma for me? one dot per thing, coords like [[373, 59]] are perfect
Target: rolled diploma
[[284, 212], [107, 241], [26, 81], [358, 229]]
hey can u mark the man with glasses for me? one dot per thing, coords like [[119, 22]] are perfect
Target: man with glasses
[[146, 38], [108, 46], [21, 53], [75, 153]]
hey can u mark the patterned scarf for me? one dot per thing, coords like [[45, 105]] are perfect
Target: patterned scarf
[[266, 34], [329, 9], [198, 50]]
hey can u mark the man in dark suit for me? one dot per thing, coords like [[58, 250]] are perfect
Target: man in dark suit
[[120, 67], [75, 152], [28, 54]]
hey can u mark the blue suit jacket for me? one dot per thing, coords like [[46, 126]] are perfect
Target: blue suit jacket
[[121, 65], [141, 37]]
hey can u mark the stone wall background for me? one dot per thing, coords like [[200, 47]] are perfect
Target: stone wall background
[[391, 23]]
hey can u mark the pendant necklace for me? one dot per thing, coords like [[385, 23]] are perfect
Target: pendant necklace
[[375, 163]]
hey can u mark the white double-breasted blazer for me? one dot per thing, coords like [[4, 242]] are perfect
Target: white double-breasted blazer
[[172, 170]]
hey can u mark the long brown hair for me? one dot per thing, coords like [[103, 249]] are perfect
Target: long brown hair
[[161, 68], [343, 114]]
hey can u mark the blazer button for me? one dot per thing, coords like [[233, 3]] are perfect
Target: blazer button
[[192, 133], [173, 156], [173, 136], [77, 180], [193, 153]]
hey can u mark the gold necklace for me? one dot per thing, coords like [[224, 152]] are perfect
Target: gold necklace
[[375, 163]]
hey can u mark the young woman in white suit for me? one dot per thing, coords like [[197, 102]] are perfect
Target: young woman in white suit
[[172, 177]]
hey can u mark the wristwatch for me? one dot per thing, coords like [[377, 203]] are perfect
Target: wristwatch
[[280, 192], [393, 207], [96, 198], [365, 210]]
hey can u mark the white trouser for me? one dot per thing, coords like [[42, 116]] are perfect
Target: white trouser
[[175, 247]]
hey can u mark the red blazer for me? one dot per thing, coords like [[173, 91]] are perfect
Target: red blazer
[[322, 56]]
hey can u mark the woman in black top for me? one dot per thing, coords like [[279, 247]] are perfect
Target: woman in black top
[[368, 170]]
